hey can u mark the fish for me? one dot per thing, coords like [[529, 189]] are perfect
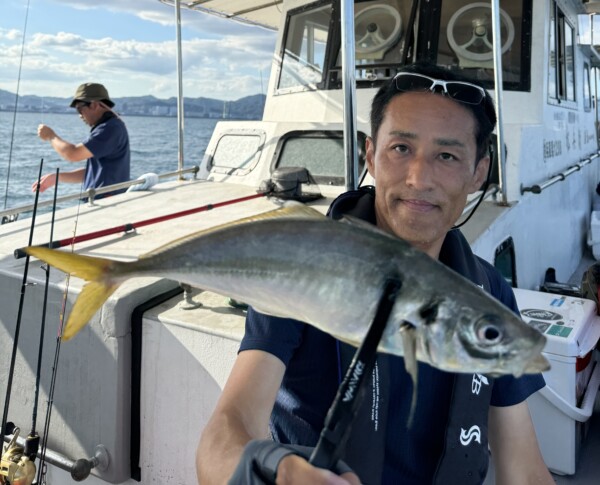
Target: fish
[[295, 262]]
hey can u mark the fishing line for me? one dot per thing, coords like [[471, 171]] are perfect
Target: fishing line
[[20, 311], [12, 136]]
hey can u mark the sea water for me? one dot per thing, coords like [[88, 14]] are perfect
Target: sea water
[[153, 143]]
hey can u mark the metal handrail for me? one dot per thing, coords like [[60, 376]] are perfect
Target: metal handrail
[[491, 191], [539, 188], [91, 193]]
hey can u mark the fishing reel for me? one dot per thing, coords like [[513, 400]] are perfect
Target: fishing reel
[[16, 468]]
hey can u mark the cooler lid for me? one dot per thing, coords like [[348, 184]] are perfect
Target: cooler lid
[[571, 325]]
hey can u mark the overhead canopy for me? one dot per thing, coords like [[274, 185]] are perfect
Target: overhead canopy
[[266, 13]]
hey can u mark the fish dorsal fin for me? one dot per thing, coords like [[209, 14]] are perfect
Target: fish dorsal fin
[[290, 210]]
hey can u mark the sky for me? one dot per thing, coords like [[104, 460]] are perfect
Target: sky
[[129, 46]]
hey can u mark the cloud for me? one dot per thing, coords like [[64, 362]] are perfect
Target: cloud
[[227, 68], [228, 63], [10, 34]]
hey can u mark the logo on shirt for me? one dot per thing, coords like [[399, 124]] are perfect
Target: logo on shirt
[[466, 437], [478, 381]]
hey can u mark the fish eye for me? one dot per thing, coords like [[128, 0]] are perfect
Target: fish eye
[[488, 332]]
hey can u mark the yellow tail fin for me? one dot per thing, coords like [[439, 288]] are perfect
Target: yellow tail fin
[[93, 295]]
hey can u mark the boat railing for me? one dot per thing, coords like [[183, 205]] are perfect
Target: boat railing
[[539, 188], [7, 214], [491, 191]]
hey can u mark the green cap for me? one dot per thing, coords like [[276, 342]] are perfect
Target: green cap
[[92, 92]]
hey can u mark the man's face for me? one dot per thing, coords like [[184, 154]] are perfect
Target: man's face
[[424, 167], [89, 112]]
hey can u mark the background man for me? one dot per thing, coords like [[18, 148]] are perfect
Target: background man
[[428, 150], [106, 149]]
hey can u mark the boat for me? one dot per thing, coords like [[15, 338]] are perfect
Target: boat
[[136, 387]]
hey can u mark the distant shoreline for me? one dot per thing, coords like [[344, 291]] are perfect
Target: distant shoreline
[[141, 115], [247, 108]]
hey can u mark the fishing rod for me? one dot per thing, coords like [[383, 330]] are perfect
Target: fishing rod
[[341, 414], [42, 463], [46, 268], [24, 465], [20, 252]]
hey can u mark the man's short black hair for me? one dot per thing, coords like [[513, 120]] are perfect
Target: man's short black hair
[[484, 112]]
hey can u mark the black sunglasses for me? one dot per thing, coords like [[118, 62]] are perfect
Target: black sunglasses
[[457, 90], [82, 105]]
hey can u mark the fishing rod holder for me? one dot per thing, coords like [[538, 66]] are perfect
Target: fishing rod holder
[[79, 469]]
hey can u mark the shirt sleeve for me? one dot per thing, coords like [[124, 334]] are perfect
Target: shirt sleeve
[[277, 336], [509, 390]]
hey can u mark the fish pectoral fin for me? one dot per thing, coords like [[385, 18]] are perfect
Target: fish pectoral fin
[[92, 297], [409, 346]]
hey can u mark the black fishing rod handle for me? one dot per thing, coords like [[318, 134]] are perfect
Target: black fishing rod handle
[[341, 414]]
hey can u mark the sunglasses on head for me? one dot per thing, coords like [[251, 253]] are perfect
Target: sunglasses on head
[[458, 90]]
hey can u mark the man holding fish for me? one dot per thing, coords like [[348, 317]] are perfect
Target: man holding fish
[[428, 150], [314, 284]]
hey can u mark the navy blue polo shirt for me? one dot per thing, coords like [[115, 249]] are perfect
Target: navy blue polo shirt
[[109, 143]]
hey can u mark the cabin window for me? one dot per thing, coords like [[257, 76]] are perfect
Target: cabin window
[[237, 152], [561, 82], [452, 33], [379, 30], [504, 261], [465, 40], [303, 57], [320, 152]]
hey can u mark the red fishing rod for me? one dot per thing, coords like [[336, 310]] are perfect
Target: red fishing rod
[[20, 253]]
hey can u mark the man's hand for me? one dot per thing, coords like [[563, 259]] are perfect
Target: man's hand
[[266, 461], [294, 469], [47, 181], [46, 133]]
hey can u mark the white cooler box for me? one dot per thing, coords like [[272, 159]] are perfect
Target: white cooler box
[[561, 410]]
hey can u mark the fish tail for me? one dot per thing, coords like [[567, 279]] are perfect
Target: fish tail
[[97, 271]]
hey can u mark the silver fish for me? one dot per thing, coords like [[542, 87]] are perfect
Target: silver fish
[[294, 262]]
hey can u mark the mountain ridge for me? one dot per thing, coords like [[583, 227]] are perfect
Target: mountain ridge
[[246, 108]]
